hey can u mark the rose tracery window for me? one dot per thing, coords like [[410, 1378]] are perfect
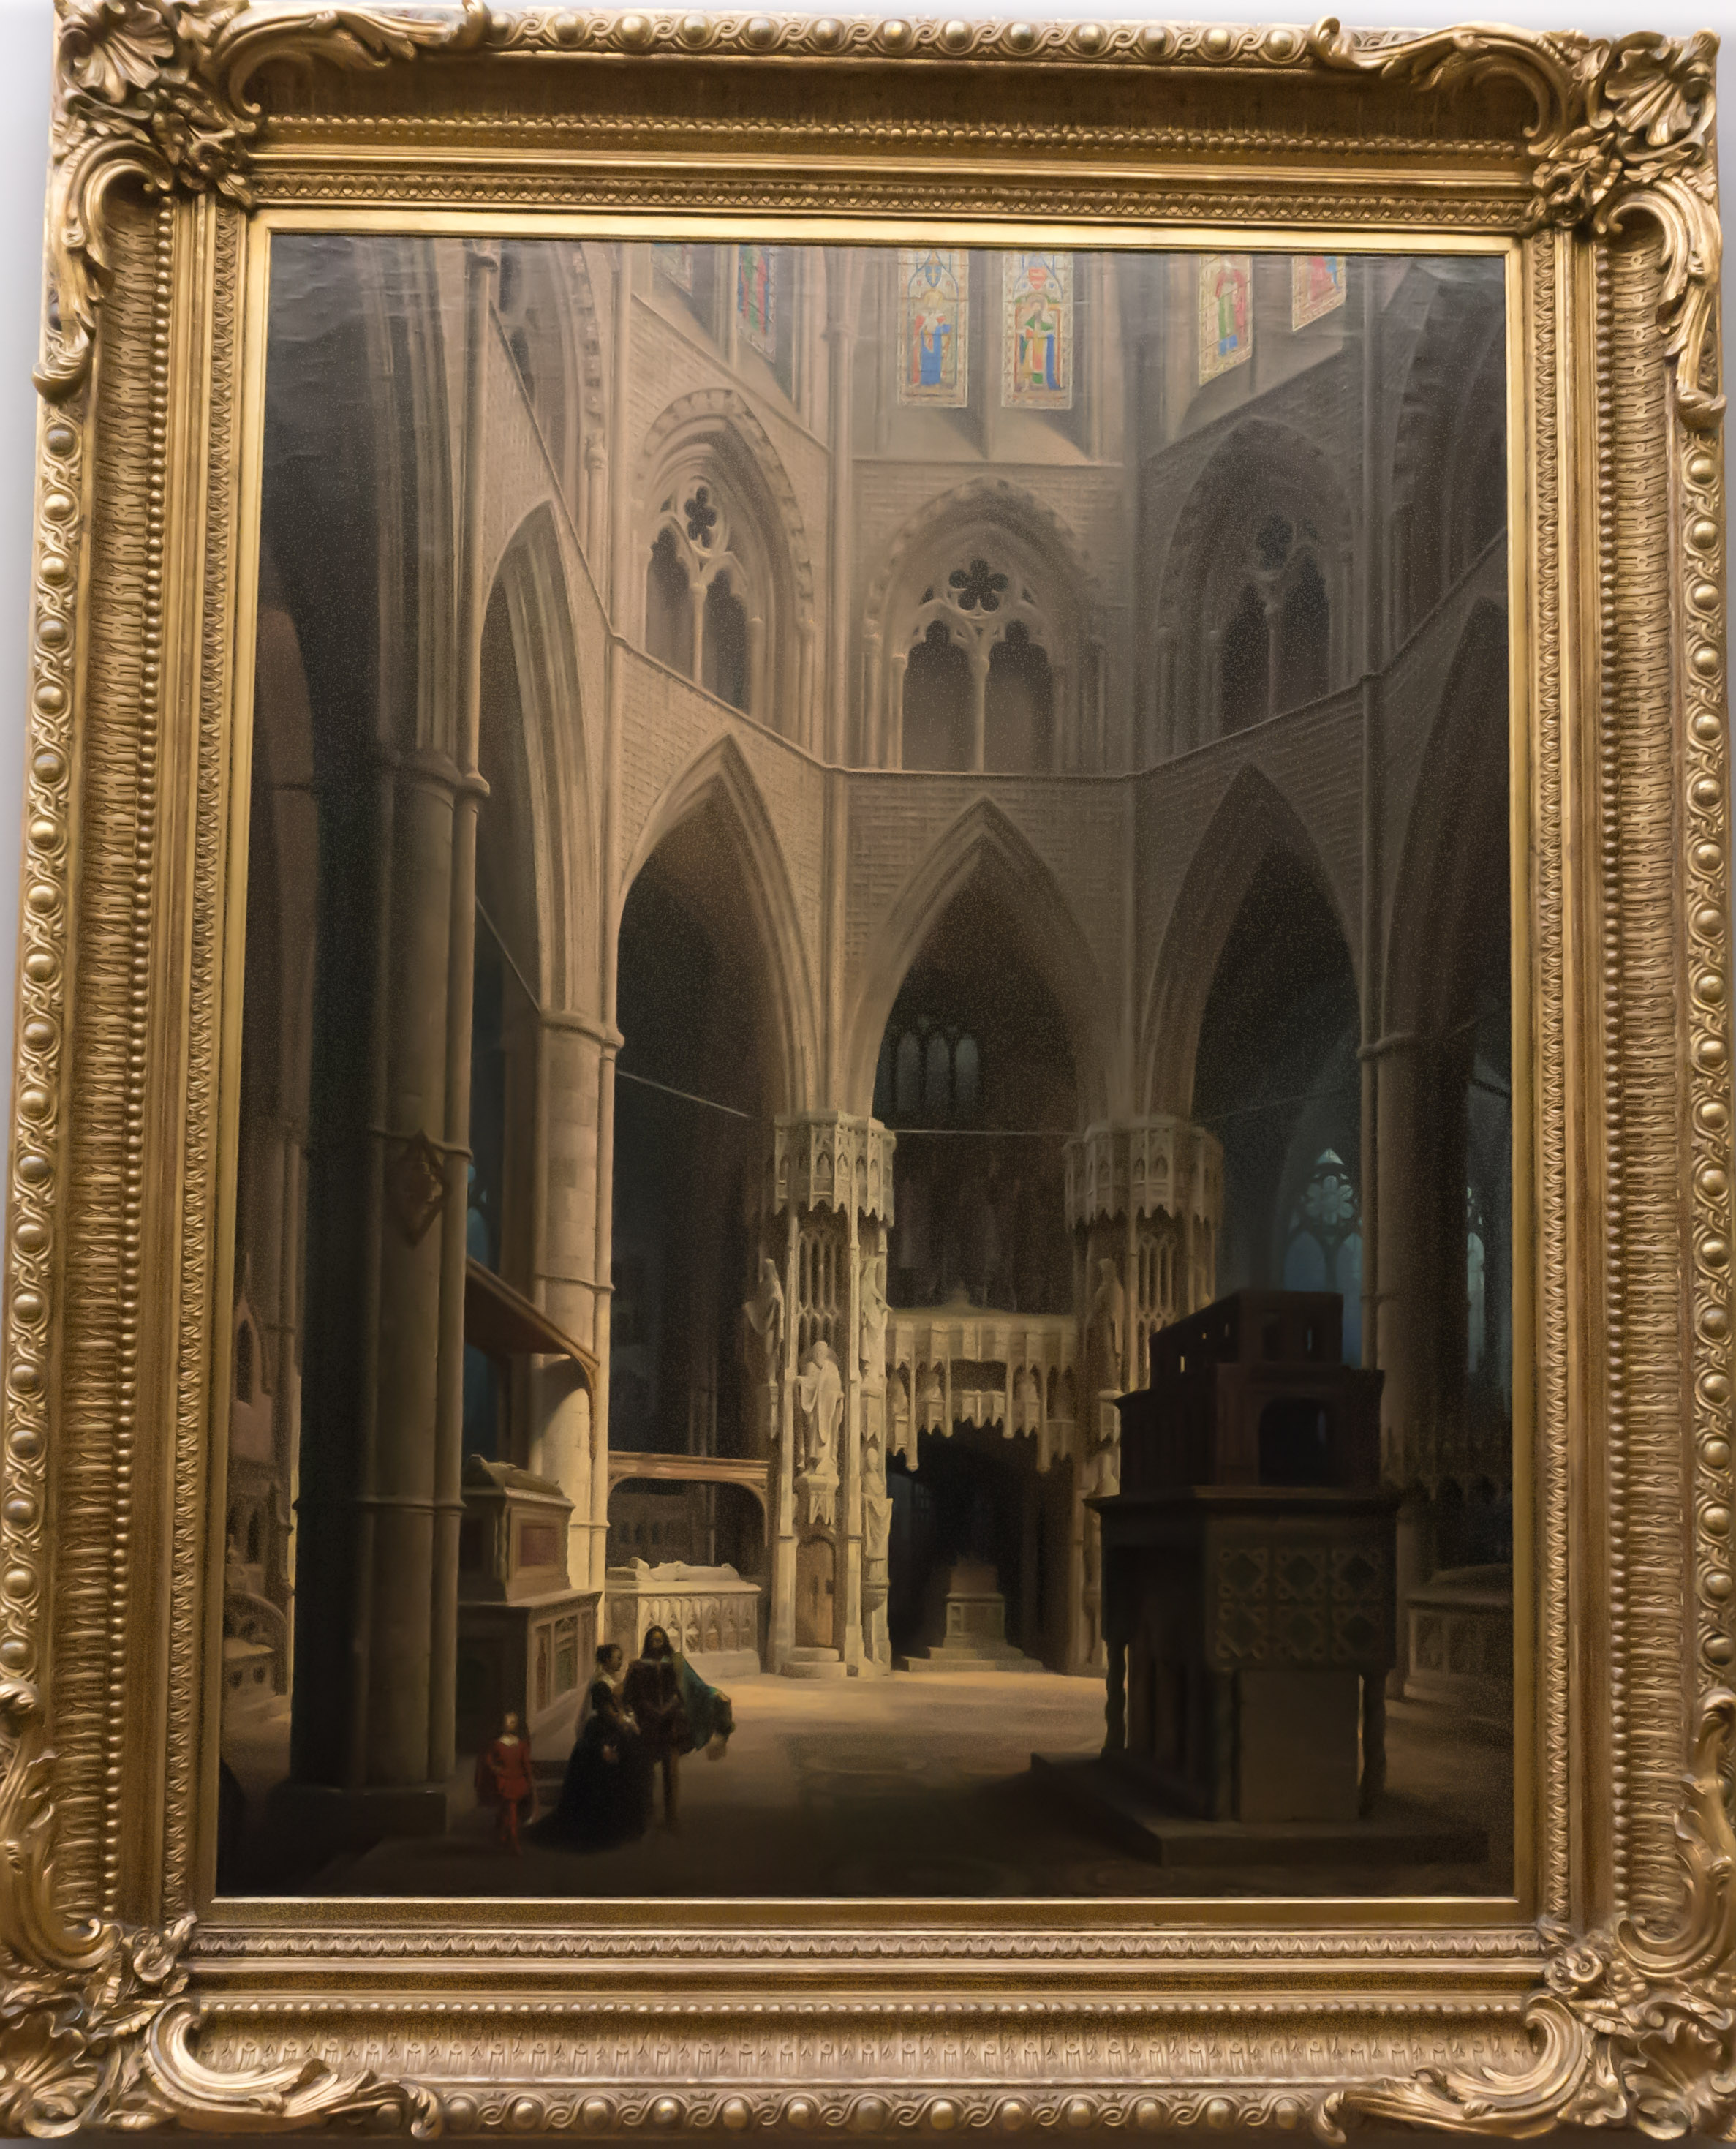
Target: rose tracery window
[[1324, 1250], [701, 616], [979, 688], [1274, 646]]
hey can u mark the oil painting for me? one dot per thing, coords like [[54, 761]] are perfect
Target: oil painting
[[874, 1235]]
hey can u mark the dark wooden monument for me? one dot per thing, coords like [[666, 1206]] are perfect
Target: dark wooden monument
[[1248, 1568]]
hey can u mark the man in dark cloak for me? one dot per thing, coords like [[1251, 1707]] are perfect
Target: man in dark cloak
[[676, 1711]]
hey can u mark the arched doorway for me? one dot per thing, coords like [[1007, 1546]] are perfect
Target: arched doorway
[[977, 1076], [695, 1083]]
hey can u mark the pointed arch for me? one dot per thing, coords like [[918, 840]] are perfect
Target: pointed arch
[[983, 841], [1448, 470], [719, 777], [1046, 602], [1457, 846], [535, 753], [1262, 478], [705, 413], [1253, 819], [712, 488]]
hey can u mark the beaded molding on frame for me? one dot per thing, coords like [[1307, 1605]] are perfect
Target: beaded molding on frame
[[1631, 2025]]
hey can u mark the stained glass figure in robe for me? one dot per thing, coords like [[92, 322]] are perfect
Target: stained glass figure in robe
[[1037, 368], [1226, 313], [933, 285], [1317, 285]]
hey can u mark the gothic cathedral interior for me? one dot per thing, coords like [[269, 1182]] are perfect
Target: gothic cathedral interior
[[839, 838]]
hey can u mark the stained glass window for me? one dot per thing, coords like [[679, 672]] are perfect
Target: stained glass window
[[756, 279], [934, 325], [1325, 1249], [1037, 331], [1316, 286], [1226, 313]]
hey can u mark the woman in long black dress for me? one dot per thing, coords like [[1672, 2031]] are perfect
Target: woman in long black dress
[[605, 1794]]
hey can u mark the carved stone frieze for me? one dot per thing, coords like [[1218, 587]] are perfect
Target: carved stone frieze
[[831, 1160], [1153, 1166]]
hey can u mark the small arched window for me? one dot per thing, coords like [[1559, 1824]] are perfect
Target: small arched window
[[1304, 633], [937, 1088], [1477, 1273], [1323, 1249], [966, 1074], [908, 1089], [668, 607], [1018, 715], [724, 659], [937, 702], [1246, 664]]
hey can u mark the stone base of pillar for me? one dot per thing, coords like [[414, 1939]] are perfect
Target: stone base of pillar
[[311, 1822], [814, 1663]]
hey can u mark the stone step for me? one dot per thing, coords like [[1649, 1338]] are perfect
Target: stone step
[[813, 1664], [964, 1657]]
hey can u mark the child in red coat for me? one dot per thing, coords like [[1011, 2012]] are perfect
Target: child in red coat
[[504, 1781]]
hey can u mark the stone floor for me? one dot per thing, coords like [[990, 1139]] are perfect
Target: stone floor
[[911, 1786]]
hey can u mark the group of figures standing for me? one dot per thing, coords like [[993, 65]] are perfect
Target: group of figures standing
[[636, 1722]]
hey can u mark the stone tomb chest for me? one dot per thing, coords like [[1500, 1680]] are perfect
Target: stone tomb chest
[[1248, 1568], [527, 1638]]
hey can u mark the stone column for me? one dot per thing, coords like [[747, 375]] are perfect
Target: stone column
[[781, 1547], [979, 706], [1404, 1325], [572, 1049], [1120, 1178], [895, 710], [825, 1167], [850, 1639], [873, 708], [381, 1451], [481, 263], [394, 1734], [841, 272]]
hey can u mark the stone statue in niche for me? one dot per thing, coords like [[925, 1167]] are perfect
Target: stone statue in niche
[[820, 1404], [1109, 1313], [873, 1319], [764, 1313], [1108, 1308]]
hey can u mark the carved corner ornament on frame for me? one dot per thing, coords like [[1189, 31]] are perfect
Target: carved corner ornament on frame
[[1634, 2025]]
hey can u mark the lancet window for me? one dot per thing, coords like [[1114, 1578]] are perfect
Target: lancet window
[[704, 610], [979, 687], [931, 1075], [1324, 1251], [1274, 646]]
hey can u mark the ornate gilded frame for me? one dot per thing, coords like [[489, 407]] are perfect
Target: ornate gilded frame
[[1605, 1992]]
